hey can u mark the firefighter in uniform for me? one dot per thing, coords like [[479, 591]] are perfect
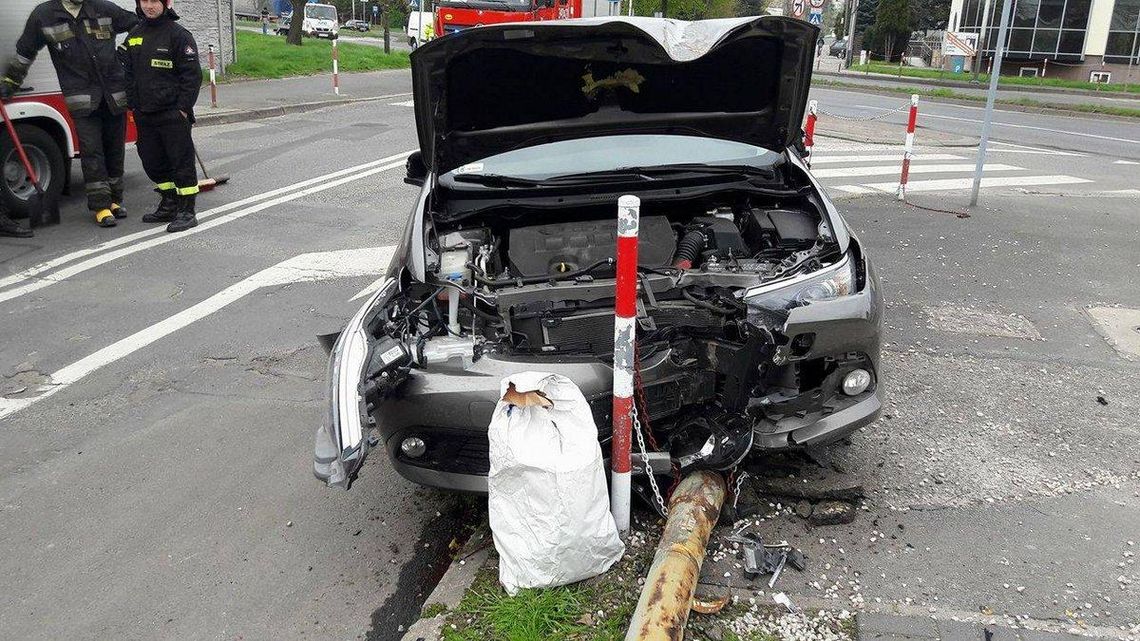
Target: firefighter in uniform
[[163, 79], [80, 36]]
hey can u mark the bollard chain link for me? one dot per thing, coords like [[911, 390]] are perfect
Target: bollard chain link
[[905, 106], [645, 461]]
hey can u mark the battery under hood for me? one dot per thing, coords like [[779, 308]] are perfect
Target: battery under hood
[[487, 90]]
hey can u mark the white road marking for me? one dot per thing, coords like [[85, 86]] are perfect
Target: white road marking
[[371, 289], [406, 103], [1006, 124], [959, 183], [886, 170], [825, 159], [304, 268], [38, 282], [1126, 162], [1026, 149]]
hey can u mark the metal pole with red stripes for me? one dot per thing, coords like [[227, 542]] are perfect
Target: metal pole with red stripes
[[336, 67], [909, 149], [809, 131], [213, 78], [625, 335]]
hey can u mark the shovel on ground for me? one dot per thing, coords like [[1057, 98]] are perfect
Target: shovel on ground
[[38, 202]]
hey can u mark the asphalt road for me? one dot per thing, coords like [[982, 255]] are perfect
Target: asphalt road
[[163, 489], [169, 493]]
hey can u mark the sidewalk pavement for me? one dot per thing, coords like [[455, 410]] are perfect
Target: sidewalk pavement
[[245, 100]]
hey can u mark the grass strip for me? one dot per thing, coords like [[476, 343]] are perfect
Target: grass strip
[[271, 57], [941, 74]]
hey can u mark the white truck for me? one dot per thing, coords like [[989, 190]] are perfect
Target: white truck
[[320, 21], [41, 118], [420, 27]]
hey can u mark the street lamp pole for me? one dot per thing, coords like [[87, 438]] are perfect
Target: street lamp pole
[[999, 51]]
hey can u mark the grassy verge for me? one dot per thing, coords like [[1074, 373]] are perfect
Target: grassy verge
[[271, 57], [943, 92], [940, 74], [594, 610]]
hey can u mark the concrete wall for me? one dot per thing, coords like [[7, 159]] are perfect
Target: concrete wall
[[201, 18]]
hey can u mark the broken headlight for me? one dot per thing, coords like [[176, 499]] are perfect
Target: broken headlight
[[345, 429], [826, 284]]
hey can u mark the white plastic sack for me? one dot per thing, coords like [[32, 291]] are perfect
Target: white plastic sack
[[546, 492]]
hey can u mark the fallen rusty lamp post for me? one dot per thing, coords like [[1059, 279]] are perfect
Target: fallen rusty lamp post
[[663, 607]]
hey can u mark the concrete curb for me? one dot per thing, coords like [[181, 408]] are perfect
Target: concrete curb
[[451, 588], [238, 115], [955, 84]]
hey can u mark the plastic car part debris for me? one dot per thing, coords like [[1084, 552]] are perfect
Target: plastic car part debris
[[708, 604], [797, 561], [782, 599], [779, 568]]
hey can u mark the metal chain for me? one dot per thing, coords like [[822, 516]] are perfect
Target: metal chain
[[645, 461], [901, 108], [736, 488]]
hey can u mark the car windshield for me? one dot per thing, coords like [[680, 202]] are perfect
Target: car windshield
[[612, 153], [321, 11]]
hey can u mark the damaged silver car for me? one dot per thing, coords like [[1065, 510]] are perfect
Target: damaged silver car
[[759, 313]]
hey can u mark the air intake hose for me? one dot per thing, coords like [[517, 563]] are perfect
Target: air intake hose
[[689, 249]]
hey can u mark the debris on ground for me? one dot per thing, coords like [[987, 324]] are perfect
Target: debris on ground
[[832, 513]]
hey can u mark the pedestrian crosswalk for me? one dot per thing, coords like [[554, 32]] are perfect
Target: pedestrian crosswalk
[[848, 168]]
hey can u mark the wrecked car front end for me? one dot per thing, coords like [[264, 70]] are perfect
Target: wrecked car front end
[[759, 314]]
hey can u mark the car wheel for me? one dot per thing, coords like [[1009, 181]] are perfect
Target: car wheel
[[44, 154]]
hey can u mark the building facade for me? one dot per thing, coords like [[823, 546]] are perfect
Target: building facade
[[1097, 40]]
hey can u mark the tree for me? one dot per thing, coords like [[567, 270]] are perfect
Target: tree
[[682, 9], [839, 24], [294, 37], [930, 15], [751, 7], [893, 25]]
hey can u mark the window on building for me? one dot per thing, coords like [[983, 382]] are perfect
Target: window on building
[[1123, 44], [1038, 28], [1100, 76]]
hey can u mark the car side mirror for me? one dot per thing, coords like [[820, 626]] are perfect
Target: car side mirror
[[415, 169]]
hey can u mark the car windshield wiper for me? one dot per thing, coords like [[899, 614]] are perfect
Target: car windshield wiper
[[656, 172], [496, 180]]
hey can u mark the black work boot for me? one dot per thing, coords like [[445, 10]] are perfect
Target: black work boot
[[167, 209], [185, 219], [118, 210], [11, 228]]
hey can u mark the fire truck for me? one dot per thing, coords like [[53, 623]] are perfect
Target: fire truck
[[456, 15], [41, 119]]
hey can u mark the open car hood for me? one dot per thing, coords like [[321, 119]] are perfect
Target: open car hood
[[488, 90]]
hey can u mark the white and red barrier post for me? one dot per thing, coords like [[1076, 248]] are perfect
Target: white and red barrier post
[[336, 67], [213, 78], [909, 149], [625, 335], [809, 131]]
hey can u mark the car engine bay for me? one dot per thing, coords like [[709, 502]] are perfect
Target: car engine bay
[[520, 288]]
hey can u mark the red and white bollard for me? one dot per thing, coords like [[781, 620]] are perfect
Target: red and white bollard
[[809, 131], [213, 78], [625, 336], [908, 151], [336, 68]]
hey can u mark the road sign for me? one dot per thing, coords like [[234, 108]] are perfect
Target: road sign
[[816, 18], [817, 4], [798, 8], [959, 44]]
